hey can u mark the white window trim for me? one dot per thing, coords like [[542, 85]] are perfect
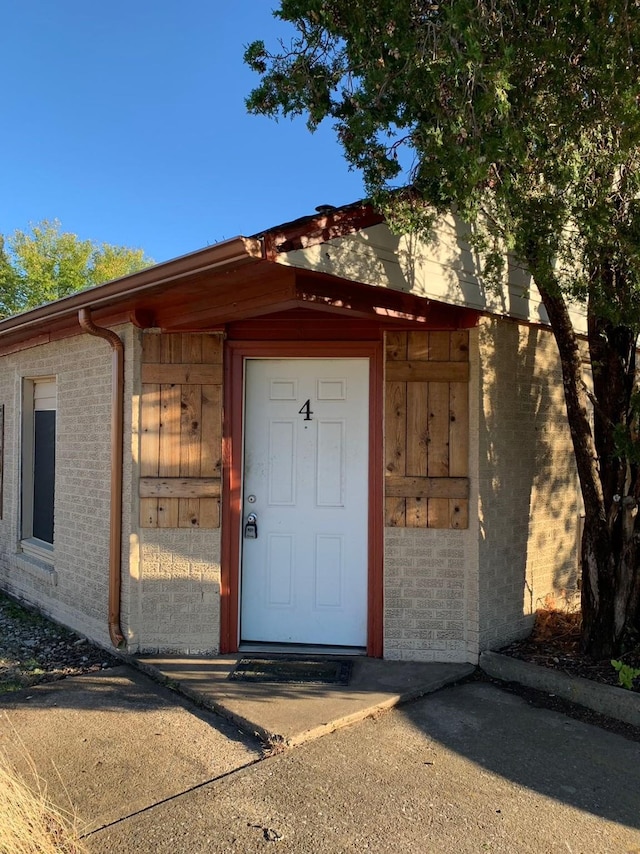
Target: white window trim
[[31, 546]]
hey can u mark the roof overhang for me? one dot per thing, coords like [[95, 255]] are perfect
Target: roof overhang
[[235, 280]]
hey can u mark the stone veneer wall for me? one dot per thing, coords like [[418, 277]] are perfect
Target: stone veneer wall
[[75, 589], [528, 492]]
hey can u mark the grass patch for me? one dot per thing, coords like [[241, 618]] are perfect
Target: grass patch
[[17, 612], [29, 822], [6, 687]]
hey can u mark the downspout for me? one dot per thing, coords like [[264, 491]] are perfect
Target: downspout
[[117, 438]]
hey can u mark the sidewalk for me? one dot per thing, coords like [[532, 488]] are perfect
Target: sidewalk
[[290, 714], [113, 743], [469, 768]]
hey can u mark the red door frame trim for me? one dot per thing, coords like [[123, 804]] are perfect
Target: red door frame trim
[[235, 354]]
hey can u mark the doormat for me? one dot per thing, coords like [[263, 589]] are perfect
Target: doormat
[[293, 671]]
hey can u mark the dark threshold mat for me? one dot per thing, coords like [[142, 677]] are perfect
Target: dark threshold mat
[[293, 670]]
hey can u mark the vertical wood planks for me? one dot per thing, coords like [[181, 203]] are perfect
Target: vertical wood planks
[[150, 432], [181, 425], [426, 426]]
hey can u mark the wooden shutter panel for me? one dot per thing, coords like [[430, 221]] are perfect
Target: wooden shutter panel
[[181, 431], [427, 429]]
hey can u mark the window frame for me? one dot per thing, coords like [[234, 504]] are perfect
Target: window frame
[[33, 546]]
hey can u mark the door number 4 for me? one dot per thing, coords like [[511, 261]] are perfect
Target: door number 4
[[305, 410]]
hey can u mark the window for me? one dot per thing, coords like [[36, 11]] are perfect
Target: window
[[38, 467]]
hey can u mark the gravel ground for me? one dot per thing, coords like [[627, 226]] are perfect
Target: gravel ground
[[33, 649]]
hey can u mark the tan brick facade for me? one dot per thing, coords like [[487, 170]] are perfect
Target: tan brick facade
[[179, 591], [75, 589], [448, 593], [527, 509]]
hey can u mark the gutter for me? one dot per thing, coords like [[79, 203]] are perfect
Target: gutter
[[117, 437]]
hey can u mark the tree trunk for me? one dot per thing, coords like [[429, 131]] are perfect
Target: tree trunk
[[610, 593]]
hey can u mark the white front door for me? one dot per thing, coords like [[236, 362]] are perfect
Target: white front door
[[304, 562]]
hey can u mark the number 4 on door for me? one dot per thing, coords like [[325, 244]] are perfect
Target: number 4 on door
[[305, 410]]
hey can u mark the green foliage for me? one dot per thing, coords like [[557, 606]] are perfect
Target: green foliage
[[524, 119], [46, 263], [626, 674], [521, 116]]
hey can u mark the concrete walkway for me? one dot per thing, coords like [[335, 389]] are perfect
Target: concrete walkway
[[467, 769], [290, 714], [109, 744]]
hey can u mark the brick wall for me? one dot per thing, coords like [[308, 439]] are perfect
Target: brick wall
[[75, 590], [425, 603], [526, 477], [179, 591]]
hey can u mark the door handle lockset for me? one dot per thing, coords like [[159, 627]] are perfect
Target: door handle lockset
[[251, 527]]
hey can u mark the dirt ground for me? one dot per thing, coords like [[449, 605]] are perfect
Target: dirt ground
[[555, 643]]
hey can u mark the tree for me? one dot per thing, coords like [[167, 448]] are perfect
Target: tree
[[46, 263], [524, 117]]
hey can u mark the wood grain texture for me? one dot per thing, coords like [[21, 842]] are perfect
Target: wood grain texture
[[211, 445], [417, 509], [149, 448], [458, 429], [438, 453], [179, 487], [396, 346], [439, 346], [438, 513], [417, 428], [188, 513], [418, 346], [396, 427], [168, 512], [442, 372], [191, 437], [181, 430], [459, 513], [426, 487], [427, 429], [459, 347], [150, 348], [182, 374], [395, 512]]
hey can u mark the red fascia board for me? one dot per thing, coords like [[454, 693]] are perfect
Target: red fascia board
[[319, 229]]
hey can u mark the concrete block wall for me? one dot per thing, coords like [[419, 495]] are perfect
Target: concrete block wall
[[527, 505], [180, 591], [424, 593], [74, 590]]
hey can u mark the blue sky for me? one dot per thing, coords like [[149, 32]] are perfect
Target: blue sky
[[125, 120]]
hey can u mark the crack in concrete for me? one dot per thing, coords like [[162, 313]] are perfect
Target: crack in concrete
[[175, 797]]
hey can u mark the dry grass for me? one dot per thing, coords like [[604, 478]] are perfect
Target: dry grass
[[556, 624], [29, 822]]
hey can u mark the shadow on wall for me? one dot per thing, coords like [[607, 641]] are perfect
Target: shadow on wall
[[528, 498], [527, 480]]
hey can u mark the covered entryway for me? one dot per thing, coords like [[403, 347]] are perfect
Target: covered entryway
[[304, 551]]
